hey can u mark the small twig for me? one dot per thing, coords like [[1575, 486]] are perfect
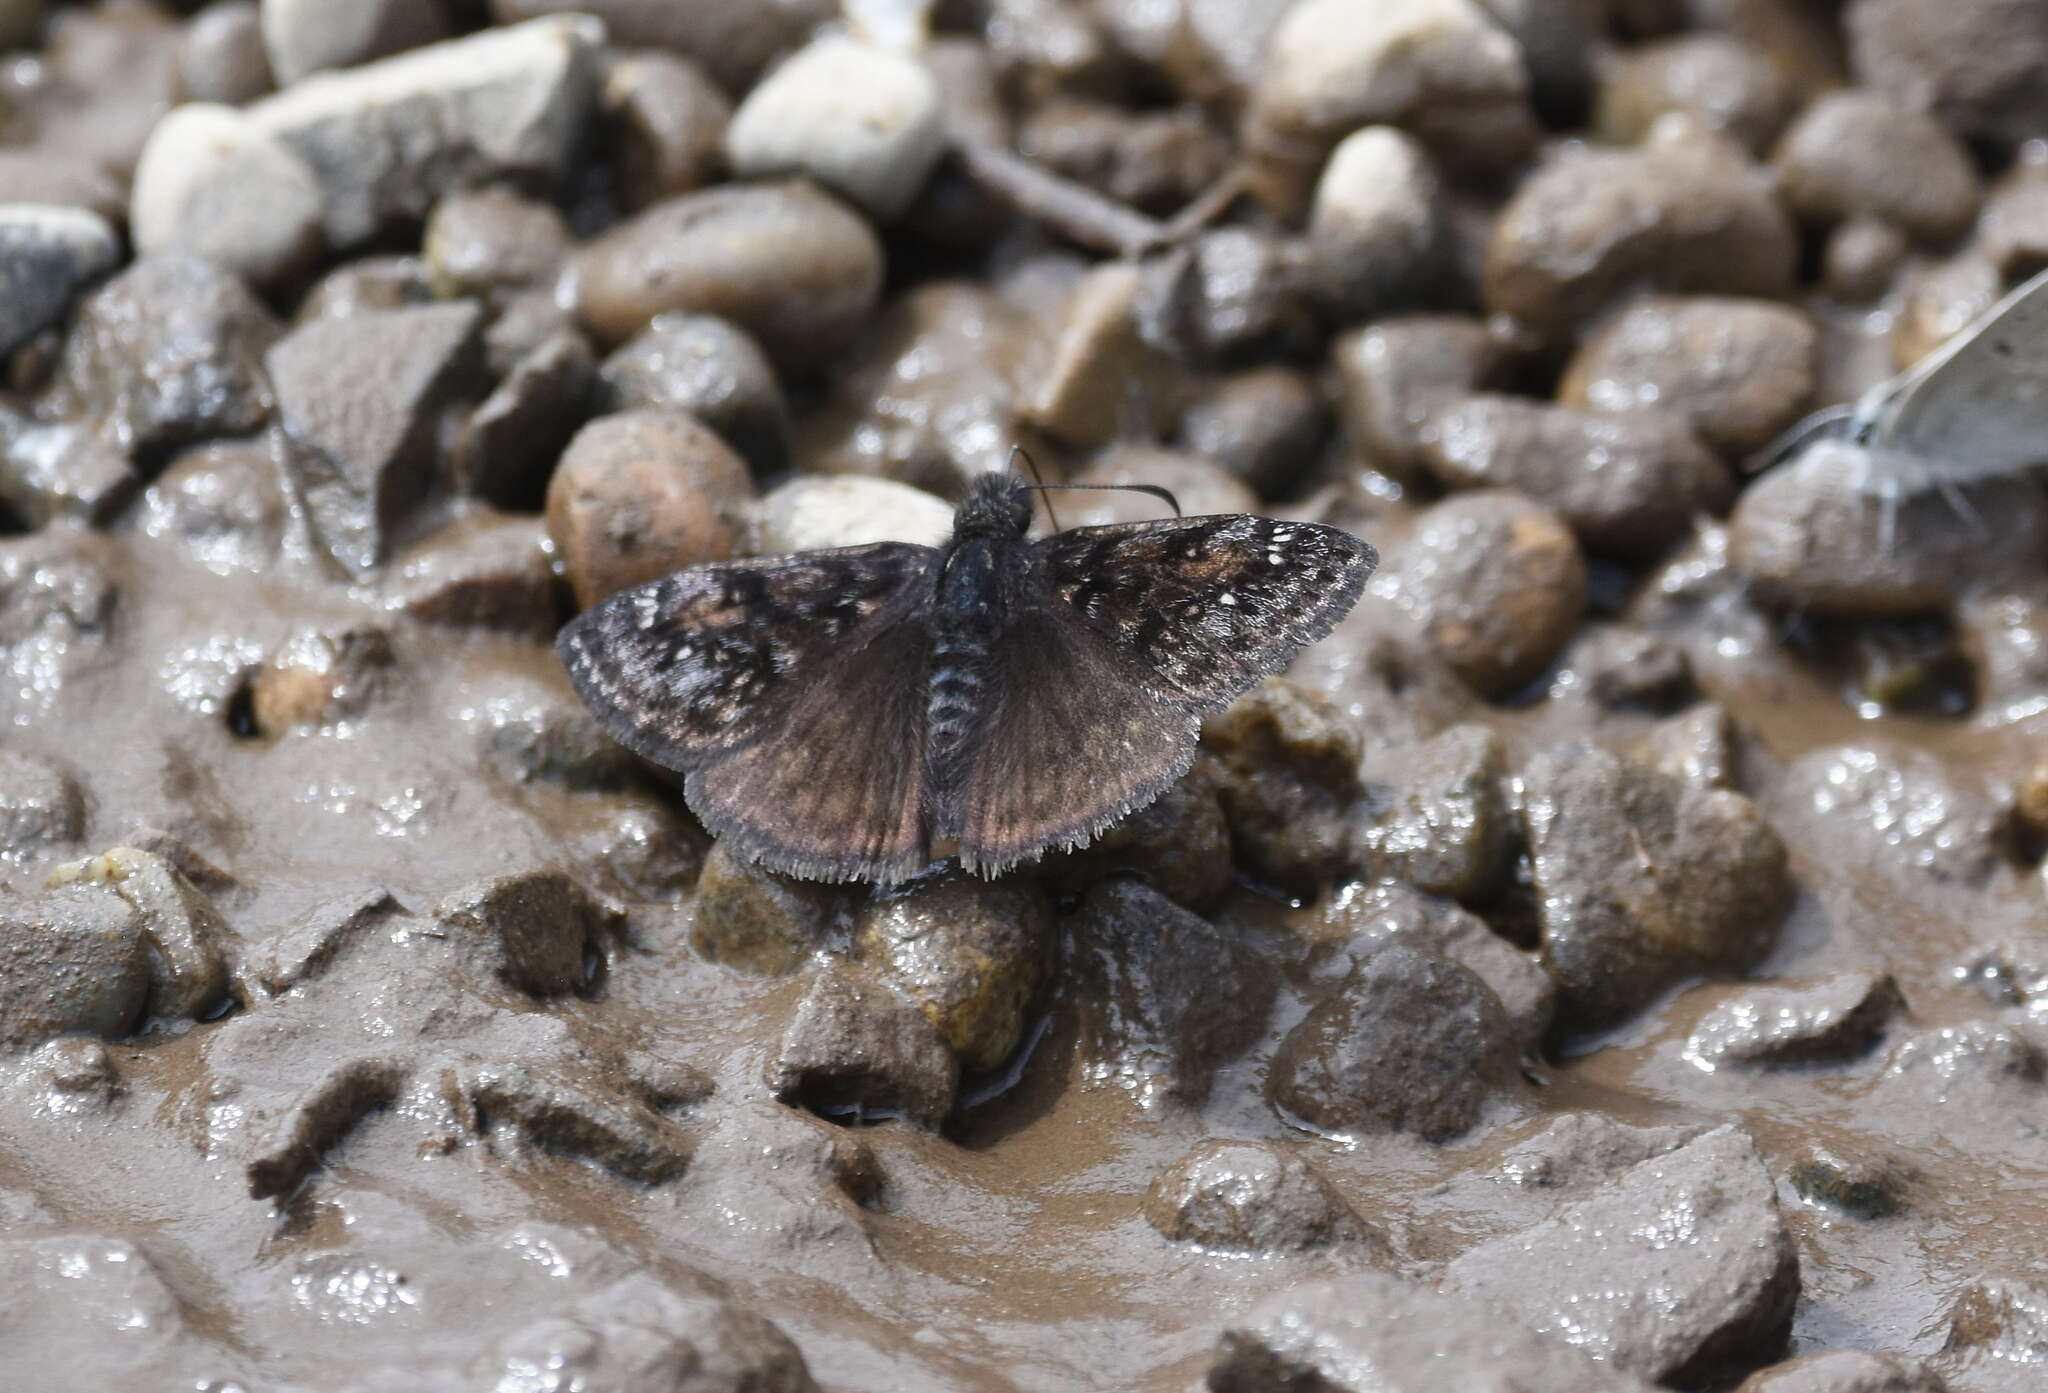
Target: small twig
[[1075, 210], [1207, 206]]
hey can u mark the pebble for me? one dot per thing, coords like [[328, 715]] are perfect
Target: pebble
[[857, 1050], [34, 174], [1581, 1151], [1643, 881], [1715, 79], [166, 353], [755, 921], [784, 261], [1409, 1042], [813, 512], [65, 470], [1100, 372], [41, 805], [1559, 40], [1266, 426], [305, 36], [1358, 919], [1837, 1019], [1371, 1333], [1154, 161], [388, 139], [1689, 217], [1230, 295], [361, 397], [732, 39], [513, 439], [224, 502], [708, 367], [1810, 536], [971, 955], [1286, 763], [367, 283], [1861, 260], [932, 399], [1982, 1069], [71, 961], [859, 119], [1496, 584], [221, 56], [667, 125], [1448, 830], [639, 494], [320, 678], [1867, 1187], [212, 183], [1845, 1371], [480, 572], [1739, 372], [1975, 64], [185, 932], [482, 240], [536, 931], [1681, 1271], [1940, 299], [1860, 154], [1631, 484], [1626, 669], [1254, 1197], [48, 253], [1397, 376], [1442, 69], [1167, 997], [1375, 237]]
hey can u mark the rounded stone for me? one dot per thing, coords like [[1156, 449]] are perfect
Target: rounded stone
[[306, 36], [1266, 426], [784, 261], [706, 366], [1860, 154], [667, 123], [1497, 584], [858, 118], [640, 494], [1715, 79], [221, 57], [1375, 235], [210, 182], [813, 512], [481, 240], [1976, 64]]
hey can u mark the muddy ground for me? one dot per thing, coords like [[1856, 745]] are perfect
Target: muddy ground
[[1616, 957]]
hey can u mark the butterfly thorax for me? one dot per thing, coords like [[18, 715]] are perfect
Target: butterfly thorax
[[982, 575]]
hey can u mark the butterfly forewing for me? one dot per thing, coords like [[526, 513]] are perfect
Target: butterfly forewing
[[1204, 607], [686, 669], [1974, 406]]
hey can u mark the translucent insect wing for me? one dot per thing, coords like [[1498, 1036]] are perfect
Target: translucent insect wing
[[1977, 406]]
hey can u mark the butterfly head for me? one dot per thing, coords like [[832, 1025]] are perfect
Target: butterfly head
[[997, 505]]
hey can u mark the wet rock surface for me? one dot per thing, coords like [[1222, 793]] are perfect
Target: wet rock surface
[[1643, 883]]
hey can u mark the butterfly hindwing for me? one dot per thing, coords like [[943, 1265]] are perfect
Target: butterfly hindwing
[[1068, 742], [1204, 607], [686, 669]]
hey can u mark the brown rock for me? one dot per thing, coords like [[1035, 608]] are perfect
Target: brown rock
[[1726, 85], [1398, 376], [480, 240], [667, 122], [1251, 1196], [1975, 64], [703, 365], [640, 494], [1286, 764], [511, 442], [1860, 154], [855, 1048], [1266, 426]]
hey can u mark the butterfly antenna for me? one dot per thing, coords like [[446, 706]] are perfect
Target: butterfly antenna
[[1018, 452], [1155, 490]]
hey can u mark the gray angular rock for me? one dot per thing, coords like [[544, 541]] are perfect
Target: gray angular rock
[[167, 353], [1286, 765], [1370, 1333], [1643, 882], [480, 572], [1845, 1371], [856, 1048], [667, 124], [517, 434], [1834, 1020], [1409, 1042], [1681, 1270], [1583, 1150], [72, 961], [1449, 831], [386, 140], [1231, 295], [1257, 1197], [1911, 814], [48, 253], [224, 502], [1170, 997], [41, 805], [360, 397], [186, 933], [538, 931]]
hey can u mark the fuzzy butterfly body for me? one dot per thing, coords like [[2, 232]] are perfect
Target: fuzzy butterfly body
[[839, 714]]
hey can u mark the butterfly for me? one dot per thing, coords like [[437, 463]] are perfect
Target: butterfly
[[845, 714], [1973, 408]]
